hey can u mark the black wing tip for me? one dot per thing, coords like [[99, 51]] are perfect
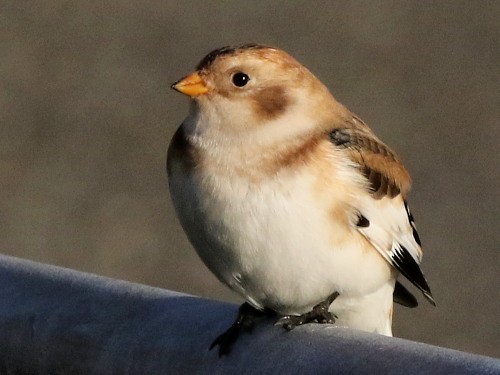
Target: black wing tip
[[404, 297], [408, 266], [428, 296]]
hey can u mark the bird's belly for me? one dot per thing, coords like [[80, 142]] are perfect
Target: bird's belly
[[275, 243]]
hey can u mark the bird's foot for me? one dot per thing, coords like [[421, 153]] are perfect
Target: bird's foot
[[245, 320], [318, 314]]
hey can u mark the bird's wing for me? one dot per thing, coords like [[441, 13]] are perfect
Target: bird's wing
[[384, 217], [379, 164], [403, 296]]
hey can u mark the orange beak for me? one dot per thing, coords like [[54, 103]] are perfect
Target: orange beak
[[192, 85]]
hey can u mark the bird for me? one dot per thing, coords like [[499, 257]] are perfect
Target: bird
[[289, 198]]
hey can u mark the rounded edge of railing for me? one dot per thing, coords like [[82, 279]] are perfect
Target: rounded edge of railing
[[60, 321]]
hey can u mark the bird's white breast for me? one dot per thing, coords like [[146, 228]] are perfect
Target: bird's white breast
[[275, 241]]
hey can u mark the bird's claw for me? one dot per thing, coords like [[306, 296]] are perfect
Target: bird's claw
[[244, 321], [289, 322], [319, 314], [226, 340]]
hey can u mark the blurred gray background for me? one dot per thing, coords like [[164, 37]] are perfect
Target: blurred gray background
[[86, 115]]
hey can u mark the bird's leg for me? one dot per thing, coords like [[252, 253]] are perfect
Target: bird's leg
[[245, 320], [318, 314]]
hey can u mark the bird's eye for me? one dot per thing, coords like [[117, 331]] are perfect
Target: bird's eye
[[240, 79]]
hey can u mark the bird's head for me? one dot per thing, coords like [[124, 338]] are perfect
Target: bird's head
[[242, 90]]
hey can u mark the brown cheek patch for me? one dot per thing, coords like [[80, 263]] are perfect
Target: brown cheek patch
[[270, 102]]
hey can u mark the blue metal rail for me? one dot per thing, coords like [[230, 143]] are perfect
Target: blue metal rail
[[60, 321]]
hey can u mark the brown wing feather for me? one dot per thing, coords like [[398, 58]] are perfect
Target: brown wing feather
[[387, 175]]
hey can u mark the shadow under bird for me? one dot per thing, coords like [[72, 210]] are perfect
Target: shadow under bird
[[289, 198]]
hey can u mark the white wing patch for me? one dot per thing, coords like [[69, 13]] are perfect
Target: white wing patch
[[388, 224]]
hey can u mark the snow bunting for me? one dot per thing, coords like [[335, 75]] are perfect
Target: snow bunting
[[289, 198]]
